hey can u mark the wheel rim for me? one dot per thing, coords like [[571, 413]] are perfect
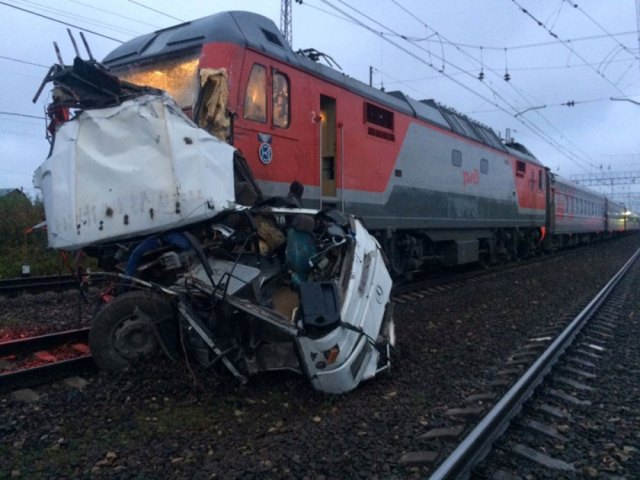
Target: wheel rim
[[133, 338]]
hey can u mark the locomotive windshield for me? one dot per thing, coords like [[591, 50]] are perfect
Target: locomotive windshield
[[177, 77]]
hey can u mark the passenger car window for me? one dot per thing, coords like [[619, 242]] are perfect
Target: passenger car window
[[280, 100], [456, 158], [484, 165], [255, 99]]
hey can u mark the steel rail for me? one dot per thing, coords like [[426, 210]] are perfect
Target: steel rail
[[48, 373], [38, 284], [475, 446], [42, 342]]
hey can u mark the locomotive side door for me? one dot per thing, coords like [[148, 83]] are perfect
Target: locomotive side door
[[327, 151]]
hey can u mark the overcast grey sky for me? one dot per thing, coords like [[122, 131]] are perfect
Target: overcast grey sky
[[558, 51]]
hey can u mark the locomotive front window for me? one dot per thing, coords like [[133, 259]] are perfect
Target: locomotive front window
[[255, 100], [176, 77], [280, 100]]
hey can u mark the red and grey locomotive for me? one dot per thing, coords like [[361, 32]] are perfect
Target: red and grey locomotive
[[432, 184]]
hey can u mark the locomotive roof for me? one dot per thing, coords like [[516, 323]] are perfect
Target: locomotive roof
[[569, 185], [520, 151], [261, 34]]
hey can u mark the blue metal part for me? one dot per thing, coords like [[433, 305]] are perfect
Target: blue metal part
[[301, 247]]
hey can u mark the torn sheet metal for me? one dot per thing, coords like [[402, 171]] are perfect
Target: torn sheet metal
[[133, 169], [215, 95]]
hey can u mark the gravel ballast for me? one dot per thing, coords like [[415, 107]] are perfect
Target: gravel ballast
[[168, 420]]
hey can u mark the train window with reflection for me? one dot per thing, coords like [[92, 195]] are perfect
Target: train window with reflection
[[521, 168], [484, 165], [280, 100], [456, 158], [255, 99], [177, 77]]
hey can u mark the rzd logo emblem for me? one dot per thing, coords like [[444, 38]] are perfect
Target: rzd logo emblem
[[265, 153]]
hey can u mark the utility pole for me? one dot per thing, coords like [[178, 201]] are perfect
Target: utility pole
[[285, 21]]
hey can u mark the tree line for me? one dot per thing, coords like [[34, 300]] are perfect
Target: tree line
[[21, 244]]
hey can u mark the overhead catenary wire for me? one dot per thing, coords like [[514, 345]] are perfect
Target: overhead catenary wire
[[23, 61], [564, 43], [115, 14], [157, 11], [75, 16], [534, 128], [15, 114], [442, 40], [570, 154], [595, 22], [62, 22]]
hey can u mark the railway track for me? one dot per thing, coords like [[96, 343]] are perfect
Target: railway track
[[447, 281], [13, 286], [542, 368], [34, 361], [41, 372], [385, 419]]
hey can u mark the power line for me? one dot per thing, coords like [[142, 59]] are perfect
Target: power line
[[24, 61], [525, 122], [60, 21], [542, 44], [20, 115], [575, 5], [571, 155], [564, 43], [157, 11], [76, 16], [116, 14]]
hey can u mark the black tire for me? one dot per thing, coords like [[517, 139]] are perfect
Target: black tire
[[121, 336]]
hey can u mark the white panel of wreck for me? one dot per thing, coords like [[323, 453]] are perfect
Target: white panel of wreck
[[132, 169]]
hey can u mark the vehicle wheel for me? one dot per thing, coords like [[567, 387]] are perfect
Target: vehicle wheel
[[122, 332]]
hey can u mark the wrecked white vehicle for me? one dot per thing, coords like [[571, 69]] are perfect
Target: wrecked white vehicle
[[201, 262]]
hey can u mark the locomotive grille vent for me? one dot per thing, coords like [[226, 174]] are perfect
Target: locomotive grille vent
[[374, 132]]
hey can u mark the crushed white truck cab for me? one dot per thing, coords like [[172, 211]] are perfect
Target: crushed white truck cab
[[198, 258]]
